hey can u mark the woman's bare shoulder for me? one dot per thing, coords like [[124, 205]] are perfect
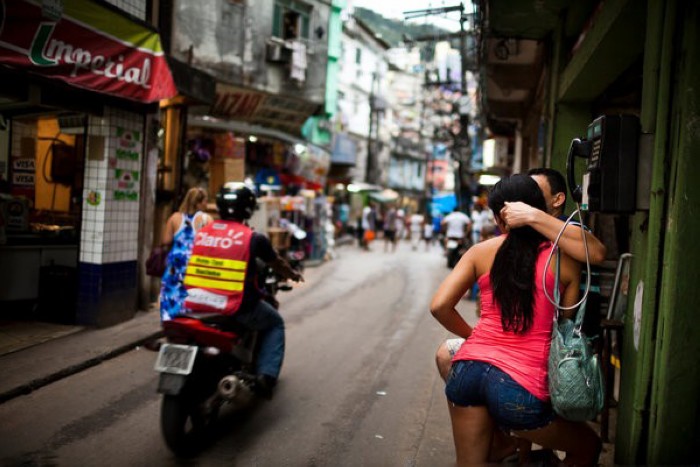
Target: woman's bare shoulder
[[175, 220], [482, 253], [493, 243]]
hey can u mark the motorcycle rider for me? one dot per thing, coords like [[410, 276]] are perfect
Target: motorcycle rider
[[456, 225], [221, 278]]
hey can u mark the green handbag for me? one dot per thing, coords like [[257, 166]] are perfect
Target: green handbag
[[576, 384]]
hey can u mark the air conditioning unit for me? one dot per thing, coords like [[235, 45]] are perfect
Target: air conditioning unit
[[277, 52]]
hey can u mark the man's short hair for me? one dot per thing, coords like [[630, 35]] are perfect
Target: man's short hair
[[556, 181]]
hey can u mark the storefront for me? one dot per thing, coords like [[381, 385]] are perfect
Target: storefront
[[254, 136], [288, 173], [79, 80]]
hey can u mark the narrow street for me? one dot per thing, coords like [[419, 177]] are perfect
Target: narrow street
[[358, 387]]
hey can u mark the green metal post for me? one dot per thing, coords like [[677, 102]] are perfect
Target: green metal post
[[674, 427], [571, 121], [553, 91], [647, 239]]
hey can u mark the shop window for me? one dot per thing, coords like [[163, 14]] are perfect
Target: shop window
[[291, 19], [46, 167]]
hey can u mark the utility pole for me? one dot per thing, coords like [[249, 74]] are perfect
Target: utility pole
[[369, 169], [461, 147], [464, 150]]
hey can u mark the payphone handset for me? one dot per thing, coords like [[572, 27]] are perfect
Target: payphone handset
[[610, 181]]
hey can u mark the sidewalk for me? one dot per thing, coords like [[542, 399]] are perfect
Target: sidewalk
[[40, 353], [34, 354]]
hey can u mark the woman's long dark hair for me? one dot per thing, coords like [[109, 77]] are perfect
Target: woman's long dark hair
[[513, 271]]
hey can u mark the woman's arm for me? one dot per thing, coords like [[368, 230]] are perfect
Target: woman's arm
[[451, 291], [169, 230], [518, 214], [570, 277]]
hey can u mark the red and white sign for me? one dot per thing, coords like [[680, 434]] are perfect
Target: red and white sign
[[90, 46]]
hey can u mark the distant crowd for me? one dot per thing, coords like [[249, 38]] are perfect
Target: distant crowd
[[392, 224]]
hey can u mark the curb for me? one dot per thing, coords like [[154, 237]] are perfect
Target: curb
[[37, 383]]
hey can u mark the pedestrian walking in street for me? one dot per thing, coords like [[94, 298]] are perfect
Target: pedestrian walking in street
[[481, 221], [416, 229], [400, 224], [390, 229], [499, 375], [369, 226], [179, 234], [428, 233]]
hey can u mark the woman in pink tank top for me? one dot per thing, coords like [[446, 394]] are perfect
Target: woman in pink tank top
[[499, 375]]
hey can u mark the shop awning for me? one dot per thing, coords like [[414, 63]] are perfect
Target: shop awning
[[88, 45], [313, 162], [444, 203], [384, 196], [259, 108], [362, 186]]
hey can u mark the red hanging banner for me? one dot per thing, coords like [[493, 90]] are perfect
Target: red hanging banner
[[86, 45]]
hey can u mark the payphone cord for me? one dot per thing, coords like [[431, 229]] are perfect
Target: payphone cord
[[553, 300]]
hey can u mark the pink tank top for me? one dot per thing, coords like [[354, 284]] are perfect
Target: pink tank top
[[522, 356]]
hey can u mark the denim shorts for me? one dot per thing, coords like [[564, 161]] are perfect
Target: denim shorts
[[474, 383]]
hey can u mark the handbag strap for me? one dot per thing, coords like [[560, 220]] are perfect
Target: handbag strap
[[557, 295]]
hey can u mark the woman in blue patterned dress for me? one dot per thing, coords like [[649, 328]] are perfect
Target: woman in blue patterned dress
[[179, 233]]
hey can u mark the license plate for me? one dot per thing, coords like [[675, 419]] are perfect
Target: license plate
[[176, 359]]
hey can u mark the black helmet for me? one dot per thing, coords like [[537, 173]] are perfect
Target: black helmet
[[236, 201]]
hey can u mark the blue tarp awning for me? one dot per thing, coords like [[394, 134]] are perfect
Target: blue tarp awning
[[444, 203]]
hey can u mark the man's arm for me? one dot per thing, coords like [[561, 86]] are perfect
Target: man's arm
[[518, 214], [282, 267], [262, 248]]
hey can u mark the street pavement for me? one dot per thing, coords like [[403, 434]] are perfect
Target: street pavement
[[63, 351], [34, 354], [69, 350]]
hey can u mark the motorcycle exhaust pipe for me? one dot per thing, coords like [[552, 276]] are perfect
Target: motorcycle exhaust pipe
[[233, 388]]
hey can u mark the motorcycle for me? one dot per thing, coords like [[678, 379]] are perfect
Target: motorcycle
[[454, 249], [205, 363], [296, 253]]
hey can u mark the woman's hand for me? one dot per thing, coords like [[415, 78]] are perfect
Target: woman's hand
[[518, 214]]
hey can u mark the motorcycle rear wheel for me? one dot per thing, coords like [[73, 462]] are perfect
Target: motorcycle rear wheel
[[452, 258], [184, 425]]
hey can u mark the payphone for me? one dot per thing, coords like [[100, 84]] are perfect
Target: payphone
[[611, 149]]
